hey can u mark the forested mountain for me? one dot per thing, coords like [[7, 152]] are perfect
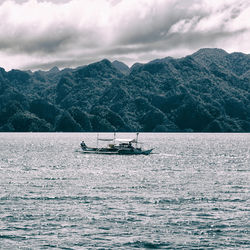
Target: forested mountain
[[208, 91]]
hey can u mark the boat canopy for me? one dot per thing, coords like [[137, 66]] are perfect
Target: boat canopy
[[125, 140], [103, 139]]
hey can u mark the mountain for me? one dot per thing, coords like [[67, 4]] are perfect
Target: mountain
[[208, 91], [122, 67]]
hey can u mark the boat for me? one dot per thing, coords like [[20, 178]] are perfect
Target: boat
[[116, 147]]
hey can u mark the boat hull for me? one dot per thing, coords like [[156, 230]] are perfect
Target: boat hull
[[116, 151]]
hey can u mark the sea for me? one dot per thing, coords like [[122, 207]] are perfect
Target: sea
[[193, 192]]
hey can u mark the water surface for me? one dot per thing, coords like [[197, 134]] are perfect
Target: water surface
[[193, 193]]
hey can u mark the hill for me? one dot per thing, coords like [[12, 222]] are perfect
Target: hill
[[208, 91]]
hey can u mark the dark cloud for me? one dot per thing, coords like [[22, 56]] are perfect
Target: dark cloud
[[157, 25], [52, 41], [49, 43]]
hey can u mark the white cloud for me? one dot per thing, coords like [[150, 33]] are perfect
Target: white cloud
[[74, 32]]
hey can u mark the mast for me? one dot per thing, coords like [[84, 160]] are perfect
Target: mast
[[97, 140], [114, 137], [137, 134]]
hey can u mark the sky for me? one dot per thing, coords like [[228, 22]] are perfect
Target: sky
[[41, 34]]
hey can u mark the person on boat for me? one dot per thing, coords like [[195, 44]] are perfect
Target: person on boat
[[83, 145]]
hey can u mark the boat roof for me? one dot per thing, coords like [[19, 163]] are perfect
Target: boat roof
[[125, 140], [104, 139]]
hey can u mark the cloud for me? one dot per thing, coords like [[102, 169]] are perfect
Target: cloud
[[43, 33]]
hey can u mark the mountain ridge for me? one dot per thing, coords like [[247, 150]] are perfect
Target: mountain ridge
[[207, 91]]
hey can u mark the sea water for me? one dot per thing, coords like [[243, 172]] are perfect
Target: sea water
[[192, 193]]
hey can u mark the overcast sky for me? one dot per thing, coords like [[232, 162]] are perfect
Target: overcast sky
[[39, 34]]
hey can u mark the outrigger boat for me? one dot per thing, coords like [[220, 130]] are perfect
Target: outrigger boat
[[116, 146]]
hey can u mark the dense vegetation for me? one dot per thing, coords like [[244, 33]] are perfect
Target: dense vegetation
[[208, 91]]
